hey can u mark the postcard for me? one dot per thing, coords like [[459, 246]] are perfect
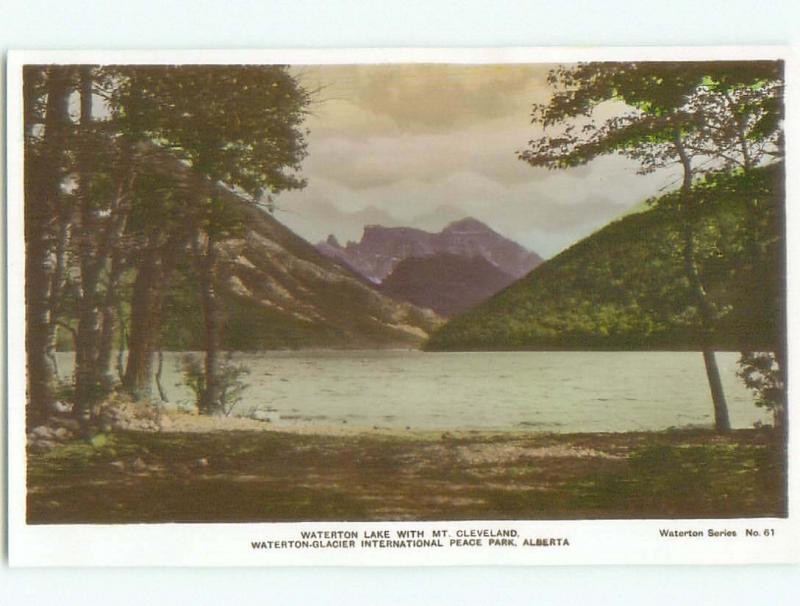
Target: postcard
[[402, 307]]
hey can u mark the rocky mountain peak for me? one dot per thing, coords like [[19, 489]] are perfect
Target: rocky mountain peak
[[381, 248]]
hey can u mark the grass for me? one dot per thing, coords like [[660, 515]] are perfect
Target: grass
[[253, 476]]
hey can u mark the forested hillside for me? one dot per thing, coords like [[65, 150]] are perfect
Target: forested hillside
[[624, 286]]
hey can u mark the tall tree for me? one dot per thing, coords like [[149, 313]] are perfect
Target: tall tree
[[236, 125], [88, 254], [159, 235], [105, 175], [743, 107], [660, 120], [45, 159]]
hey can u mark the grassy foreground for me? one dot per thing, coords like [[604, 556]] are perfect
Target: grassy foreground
[[259, 476]]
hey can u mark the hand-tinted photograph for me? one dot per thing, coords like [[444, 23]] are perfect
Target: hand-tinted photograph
[[404, 292]]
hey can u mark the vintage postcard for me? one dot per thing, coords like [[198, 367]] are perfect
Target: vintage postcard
[[402, 307]]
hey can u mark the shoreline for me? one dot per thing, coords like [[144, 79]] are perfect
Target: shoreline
[[185, 422]]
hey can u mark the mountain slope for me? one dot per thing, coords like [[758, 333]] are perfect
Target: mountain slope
[[381, 249], [624, 287], [446, 283], [278, 292]]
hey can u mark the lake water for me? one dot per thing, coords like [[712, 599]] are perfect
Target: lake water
[[539, 391]]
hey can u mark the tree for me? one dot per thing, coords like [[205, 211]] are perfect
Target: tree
[[117, 195], [45, 157], [742, 105], [662, 119], [159, 235], [235, 125], [105, 170]]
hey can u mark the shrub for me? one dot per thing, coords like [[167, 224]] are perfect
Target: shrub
[[229, 380], [762, 374]]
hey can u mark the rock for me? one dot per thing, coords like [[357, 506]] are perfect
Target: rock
[[62, 433], [268, 416], [203, 462], [118, 465], [42, 445], [138, 465], [67, 423], [61, 407], [42, 432]]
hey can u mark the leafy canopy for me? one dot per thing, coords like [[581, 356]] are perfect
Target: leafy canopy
[[712, 108]]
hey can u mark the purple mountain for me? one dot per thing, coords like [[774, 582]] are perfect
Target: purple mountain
[[446, 283], [381, 249]]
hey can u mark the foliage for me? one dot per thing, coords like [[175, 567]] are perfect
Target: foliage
[[119, 191], [762, 374], [623, 287], [704, 117], [230, 379], [728, 111], [240, 125]]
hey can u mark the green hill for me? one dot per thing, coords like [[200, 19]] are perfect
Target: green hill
[[623, 286]]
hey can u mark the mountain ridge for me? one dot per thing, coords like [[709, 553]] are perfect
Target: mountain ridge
[[381, 248]]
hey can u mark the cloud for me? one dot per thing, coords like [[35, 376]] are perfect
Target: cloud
[[546, 214], [420, 98], [374, 161], [316, 218], [424, 145]]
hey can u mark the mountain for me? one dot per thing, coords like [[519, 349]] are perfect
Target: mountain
[[446, 283], [381, 249], [624, 287], [278, 291]]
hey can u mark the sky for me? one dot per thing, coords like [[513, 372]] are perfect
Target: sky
[[424, 145]]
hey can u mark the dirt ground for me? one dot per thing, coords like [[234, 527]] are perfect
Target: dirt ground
[[261, 476]]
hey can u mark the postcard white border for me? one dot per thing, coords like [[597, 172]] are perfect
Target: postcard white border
[[591, 541]]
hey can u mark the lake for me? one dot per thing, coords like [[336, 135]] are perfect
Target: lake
[[538, 391]]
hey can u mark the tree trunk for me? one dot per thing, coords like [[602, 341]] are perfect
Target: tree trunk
[[210, 401], [161, 392], [721, 420], [123, 345], [707, 314], [87, 376], [111, 300], [108, 323], [144, 328], [57, 283], [43, 176], [153, 275]]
